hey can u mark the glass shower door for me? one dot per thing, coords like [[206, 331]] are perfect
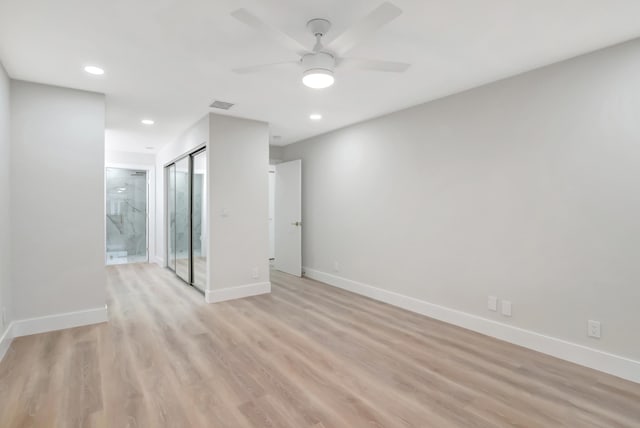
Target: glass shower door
[[126, 210]]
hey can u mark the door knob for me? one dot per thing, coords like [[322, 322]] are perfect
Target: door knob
[[297, 223]]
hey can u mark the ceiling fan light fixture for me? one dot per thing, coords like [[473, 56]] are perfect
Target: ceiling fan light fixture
[[319, 63], [318, 70], [318, 78]]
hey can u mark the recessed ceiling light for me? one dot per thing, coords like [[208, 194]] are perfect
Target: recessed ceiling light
[[315, 116], [92, 69], [147, 122], [149, 147]]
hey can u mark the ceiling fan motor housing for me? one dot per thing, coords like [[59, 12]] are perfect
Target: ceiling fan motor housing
[[318, 61]]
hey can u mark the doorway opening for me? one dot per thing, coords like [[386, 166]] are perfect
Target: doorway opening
[[126, 216], [186, 208], [285, 217]]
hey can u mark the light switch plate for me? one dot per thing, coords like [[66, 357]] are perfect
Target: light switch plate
[[506, 308], [492, 303], [593, 329]]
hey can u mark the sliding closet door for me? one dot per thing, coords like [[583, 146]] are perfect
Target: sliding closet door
[[171, 216], [199, 219], [183, 225], [187, 218]]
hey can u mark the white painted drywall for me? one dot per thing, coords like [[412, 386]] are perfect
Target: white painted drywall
[[276, 154], [129, 158], [5, 226], [239, 203], [526, 189], [57, 200]]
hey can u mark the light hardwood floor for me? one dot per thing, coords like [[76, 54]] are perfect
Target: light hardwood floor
[[307, 355]]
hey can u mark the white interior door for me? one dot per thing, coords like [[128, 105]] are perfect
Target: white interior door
[[288, 217]]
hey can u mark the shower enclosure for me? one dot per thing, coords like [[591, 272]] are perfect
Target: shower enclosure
[[126, 210], [186, 218]]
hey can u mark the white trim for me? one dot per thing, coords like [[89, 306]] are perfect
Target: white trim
[[159, 261], [5, 340], [239, 292], [59, 321], [616, 365]]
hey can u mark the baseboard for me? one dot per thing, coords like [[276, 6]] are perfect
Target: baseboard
[[5, 340], [231, 293], [158, 260], [579, 354], [62, 321]]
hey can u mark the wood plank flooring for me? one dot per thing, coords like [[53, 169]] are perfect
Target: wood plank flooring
[[308, 355]]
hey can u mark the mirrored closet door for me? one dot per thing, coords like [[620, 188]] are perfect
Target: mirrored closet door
[[199, 220], [171, 216], [182, 219], [186, 213]]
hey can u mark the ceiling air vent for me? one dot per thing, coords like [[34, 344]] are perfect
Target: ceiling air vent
[[221, 104]]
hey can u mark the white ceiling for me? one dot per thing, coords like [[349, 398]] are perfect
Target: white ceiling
[[169, 59]]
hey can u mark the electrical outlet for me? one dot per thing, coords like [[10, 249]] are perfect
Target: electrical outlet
[[593, 329], [336, 266], [493, 303], [506, 308], [254, 273]]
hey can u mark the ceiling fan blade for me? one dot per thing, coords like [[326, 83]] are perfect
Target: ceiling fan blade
[[263, 67], [382, 15], [257, 24], [374, 65]]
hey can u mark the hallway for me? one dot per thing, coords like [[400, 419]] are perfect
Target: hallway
[[308, 355]]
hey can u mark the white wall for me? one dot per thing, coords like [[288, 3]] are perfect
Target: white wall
[[527, 189], [239, 205], [57, 200], [5, 226], [129, 158], [276, 154]]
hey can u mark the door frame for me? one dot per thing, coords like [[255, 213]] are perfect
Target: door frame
[[151, 214]]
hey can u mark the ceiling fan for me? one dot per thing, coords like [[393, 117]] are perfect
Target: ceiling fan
[[319, 62]]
